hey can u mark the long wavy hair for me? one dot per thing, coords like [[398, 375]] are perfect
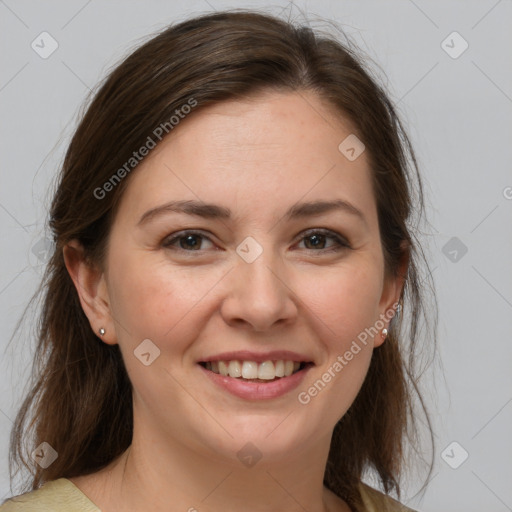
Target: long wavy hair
[[80, 400]]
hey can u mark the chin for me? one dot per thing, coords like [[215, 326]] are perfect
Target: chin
[[267, 438]]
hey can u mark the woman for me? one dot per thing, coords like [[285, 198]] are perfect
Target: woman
[[221, 324]]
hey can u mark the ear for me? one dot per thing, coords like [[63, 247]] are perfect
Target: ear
[[91, 286], [392, 290]]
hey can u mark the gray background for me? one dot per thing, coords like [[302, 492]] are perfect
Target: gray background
[[459, 114]]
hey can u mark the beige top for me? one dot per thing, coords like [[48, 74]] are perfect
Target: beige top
[[62, 495]]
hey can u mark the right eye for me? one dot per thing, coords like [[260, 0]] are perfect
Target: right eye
[[188, 241]]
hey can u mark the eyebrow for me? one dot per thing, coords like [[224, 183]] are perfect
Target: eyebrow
[[213, 211]]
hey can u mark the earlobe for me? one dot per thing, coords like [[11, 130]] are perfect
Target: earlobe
[[92, 291], [392, 292]]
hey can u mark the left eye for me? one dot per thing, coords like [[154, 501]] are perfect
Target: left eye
[[318, 239]]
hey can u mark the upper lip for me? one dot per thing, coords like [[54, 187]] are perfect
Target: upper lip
[[258, 357]]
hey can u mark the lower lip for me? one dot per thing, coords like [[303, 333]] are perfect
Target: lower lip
[[257, 390]]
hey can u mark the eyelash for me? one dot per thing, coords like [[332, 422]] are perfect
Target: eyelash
[[340, 241]]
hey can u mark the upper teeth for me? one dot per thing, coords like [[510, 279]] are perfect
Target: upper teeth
[[267, 370]]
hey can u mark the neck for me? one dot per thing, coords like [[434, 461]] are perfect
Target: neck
[[172, 477]]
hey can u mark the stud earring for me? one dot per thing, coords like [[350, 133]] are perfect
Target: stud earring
[[102, 331], [384, 332]]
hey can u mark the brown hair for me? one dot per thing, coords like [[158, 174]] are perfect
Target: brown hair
[[80, 401]]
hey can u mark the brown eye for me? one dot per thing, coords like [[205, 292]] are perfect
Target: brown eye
[[319, 241], [315, 241], [187, 241]]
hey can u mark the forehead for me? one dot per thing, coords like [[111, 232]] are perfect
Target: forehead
[[264, 152]]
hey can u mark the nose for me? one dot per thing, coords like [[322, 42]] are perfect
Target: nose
[[260, 295]]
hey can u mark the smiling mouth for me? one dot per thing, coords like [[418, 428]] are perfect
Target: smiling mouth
[[251, 371]]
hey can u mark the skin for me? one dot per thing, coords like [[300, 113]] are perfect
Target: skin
[[257, 157]]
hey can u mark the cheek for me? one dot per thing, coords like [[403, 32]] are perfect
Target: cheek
[[152, 299], [345, 305], [346, 299], [346, 310]]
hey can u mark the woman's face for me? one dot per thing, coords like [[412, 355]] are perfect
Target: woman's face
[[246, 237]]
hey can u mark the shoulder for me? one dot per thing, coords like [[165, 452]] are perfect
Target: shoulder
[[56, 496], [375, 501]]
